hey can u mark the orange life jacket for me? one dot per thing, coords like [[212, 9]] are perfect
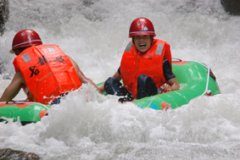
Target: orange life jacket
[[150, 63], [47, 71]]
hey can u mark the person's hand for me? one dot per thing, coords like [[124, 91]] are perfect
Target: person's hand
[[175, 86], [171, 85], [166, 88], [100, 89]]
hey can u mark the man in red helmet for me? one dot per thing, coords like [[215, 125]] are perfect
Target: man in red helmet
[[44, 71], [145, 67]]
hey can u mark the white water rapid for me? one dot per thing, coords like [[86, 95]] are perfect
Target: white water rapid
[[90, 126]]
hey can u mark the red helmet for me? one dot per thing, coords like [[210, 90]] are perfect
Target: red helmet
[[141, 26], [26, 38]]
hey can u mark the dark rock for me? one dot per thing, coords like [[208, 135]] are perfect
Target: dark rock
[[9, 154], [231, 6], [4, 12]]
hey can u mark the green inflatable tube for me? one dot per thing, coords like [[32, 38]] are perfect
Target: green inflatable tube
[[195, 80], [24, 112]]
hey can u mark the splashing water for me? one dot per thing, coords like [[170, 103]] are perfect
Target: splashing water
[[90, 126]]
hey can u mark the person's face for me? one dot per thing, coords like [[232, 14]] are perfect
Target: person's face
[[142, 43]]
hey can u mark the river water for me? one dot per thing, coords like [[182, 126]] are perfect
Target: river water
[[90, 126]]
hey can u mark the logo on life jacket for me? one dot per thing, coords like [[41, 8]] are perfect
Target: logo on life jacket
[[59, 59], [34, 71], [42, 60]]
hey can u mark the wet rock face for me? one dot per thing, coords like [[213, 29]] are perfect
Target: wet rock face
[[231, 6], [4, 11], [9, 154]]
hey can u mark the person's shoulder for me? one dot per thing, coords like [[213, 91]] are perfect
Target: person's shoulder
[[48, 45], [72, 60]]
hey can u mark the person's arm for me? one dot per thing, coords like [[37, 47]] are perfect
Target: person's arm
[[172, 83], [82, 77], [116, 75], [13, 88]]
